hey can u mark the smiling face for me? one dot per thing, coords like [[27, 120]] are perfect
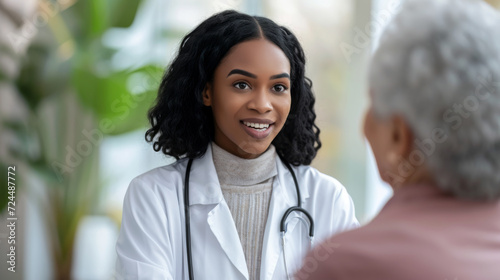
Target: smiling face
[[250, 97]]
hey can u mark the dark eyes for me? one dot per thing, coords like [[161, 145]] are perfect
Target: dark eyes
[[279, 88], [241, 85], [245, 86]]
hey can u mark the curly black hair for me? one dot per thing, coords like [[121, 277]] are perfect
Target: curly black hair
[[181, 126]]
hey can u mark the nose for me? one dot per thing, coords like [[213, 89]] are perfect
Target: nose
[[260, 101]]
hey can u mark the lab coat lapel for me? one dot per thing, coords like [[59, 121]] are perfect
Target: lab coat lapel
[[283, 197], [205, 190], [228, 237]]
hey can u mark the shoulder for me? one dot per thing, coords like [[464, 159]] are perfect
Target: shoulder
[[320, 183], [386, 248], [163, 175], [159, 181], [327, 200], [312, 174], [338, 257]]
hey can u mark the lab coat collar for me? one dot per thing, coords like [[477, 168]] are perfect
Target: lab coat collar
[[205, 190], [204, 186], [287, 184]]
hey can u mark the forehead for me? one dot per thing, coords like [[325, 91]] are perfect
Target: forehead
[[258, 55]]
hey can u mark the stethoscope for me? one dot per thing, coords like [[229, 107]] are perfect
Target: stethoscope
[[283, 224]]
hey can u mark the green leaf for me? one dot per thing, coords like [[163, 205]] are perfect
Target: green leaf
[[43, 73], [4, 195], [120, 100], [97, 16], [122, 13]]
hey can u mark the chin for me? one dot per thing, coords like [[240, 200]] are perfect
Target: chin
[[253, 149], [393, 180]]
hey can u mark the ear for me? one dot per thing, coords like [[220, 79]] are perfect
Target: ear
[[207, 95], [402, 137]]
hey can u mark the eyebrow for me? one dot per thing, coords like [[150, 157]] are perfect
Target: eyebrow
[[242, 72], [279, 76], [253, 76]]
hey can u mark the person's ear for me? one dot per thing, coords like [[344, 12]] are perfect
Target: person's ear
[[207, 95], [402, 137]]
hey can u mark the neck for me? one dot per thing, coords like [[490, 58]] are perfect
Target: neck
[[421, 175], [234, 170]]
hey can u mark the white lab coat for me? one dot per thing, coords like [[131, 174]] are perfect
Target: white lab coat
[[152, 244]]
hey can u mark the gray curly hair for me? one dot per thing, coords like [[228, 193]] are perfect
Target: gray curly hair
[[438, 67]]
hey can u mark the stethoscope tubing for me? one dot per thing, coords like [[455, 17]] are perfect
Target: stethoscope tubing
[[299, 204], [188, 219]]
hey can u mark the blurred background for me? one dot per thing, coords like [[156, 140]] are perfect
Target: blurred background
[[76, 80]]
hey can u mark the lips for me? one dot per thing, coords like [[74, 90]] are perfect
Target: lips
[[257, 128]]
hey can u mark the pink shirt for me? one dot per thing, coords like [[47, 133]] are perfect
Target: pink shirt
[[420, 234]]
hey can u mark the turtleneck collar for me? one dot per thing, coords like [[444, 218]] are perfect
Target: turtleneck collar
[[233, 170]]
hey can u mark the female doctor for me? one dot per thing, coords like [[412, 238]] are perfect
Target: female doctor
[[236, 111]]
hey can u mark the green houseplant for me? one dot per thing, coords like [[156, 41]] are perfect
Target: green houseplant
[[73, 98]]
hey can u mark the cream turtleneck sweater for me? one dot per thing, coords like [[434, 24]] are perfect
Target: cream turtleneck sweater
[[246, 185]]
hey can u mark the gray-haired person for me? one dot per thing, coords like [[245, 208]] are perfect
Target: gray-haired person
[[434, 127]]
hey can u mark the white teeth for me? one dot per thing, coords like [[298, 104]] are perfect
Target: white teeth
[[259, 126]]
